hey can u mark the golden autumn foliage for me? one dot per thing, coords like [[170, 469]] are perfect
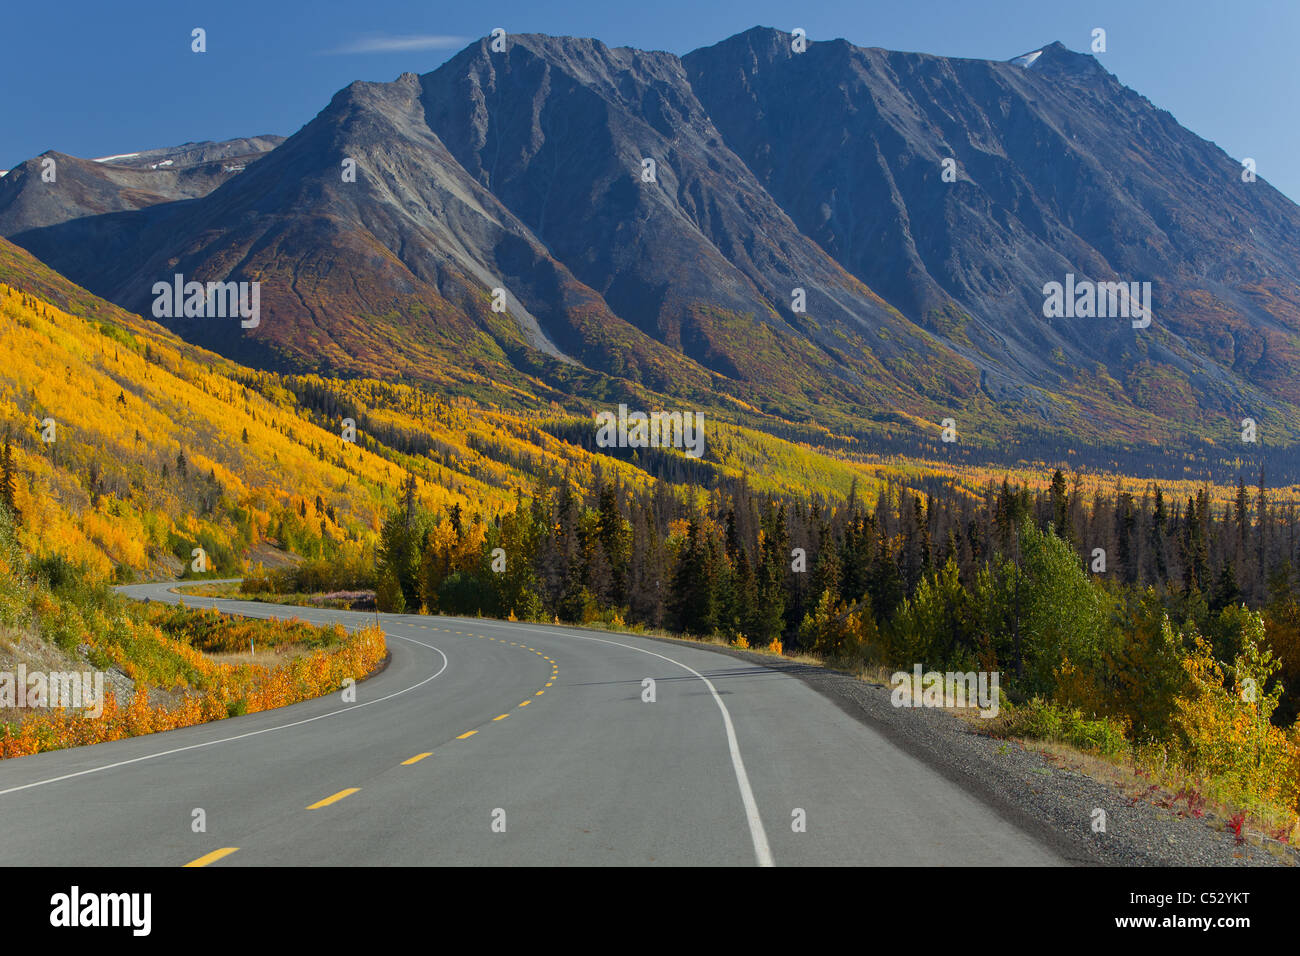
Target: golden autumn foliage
[[203, 665], [1224, 725], [227, 690], [162, 446], [156, 446]]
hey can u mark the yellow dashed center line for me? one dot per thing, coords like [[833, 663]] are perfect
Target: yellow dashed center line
[[416, 759], [555, 670], [213, 857], [334, 799]]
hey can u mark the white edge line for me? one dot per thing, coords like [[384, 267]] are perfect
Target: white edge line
[[251, 733], [762, 852]]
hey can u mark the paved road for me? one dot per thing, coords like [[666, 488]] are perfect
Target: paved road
[[541, 730]]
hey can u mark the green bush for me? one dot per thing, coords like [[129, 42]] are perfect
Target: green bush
[[1043, 720], [388, 596]]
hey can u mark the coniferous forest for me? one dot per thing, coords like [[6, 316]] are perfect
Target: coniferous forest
[[1092, 602], [1127, 621]]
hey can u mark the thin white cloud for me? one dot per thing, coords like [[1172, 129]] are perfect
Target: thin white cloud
[[388, 43]]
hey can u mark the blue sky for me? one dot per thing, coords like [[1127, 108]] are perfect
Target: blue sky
[[98, 78]]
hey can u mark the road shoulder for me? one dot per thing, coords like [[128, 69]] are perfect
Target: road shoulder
[[1051, 803]]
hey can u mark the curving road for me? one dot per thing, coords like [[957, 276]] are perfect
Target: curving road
[[480, 726]]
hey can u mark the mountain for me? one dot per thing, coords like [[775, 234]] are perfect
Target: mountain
[[528, 170], [702, 259], [389, 275], [1060, 169], [76, 210], [82, 188]]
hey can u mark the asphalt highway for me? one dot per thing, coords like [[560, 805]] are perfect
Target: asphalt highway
[[494, 743]]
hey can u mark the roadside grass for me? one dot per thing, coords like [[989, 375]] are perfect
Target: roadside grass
[[164, 666], [211, 686], [1181, 794], [1148, 773]]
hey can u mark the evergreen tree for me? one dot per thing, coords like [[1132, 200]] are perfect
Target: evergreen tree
[[768, 622], [826, 572], [1159, 528], [647, 574], [9, 481], [1241, 515], [1226, 591], [691, 597], [1060, 512], [1125, 524], [614, 537], [398, 555], [743, 617]]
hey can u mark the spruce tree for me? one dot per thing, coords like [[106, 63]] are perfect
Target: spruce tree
[[9, 481]]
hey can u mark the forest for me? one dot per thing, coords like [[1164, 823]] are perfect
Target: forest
[[1122, 619]]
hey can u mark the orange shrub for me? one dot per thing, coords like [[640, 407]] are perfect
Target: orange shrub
[[258, 686]]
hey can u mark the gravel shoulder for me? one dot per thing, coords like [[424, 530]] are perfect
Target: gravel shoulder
[[1051, 802]]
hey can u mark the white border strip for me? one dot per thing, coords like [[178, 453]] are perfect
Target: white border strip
[[762, 852], [251, 733]]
